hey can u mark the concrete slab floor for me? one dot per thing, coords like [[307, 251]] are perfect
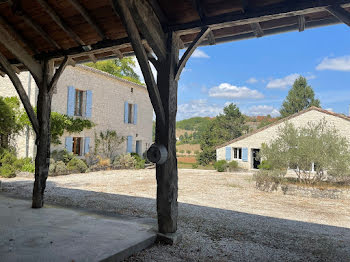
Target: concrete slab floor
[[61, 234]]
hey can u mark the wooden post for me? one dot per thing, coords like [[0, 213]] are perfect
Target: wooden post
[[167, 175], [43, 141]]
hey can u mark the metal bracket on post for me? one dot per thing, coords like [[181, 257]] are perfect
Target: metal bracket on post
[[157, 154]]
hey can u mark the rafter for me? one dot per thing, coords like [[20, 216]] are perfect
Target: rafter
[[14, 32], [301, 23], [211, 38], [196, 42], [88, 17], [339, 13], [20, 53], [258, 32], [21, 92], [53, 14], [93, 58], [118, 53], [130, 25], [274, 11], [159, 12], [28, 20]]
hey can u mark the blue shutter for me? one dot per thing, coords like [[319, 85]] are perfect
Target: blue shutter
[[86, 145], [88, 111], [228, 153], [129, 145], [69, 144], [126, 108], [70, 101], [245, 154], [135, 114]]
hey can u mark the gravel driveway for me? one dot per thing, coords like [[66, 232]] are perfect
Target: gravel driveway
[[222, 217]]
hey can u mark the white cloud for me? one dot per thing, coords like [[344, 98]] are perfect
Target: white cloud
[[199, 107], [226, 90], [341, 63], [287, 81], [252, 80], [199, 54], [282, 82], [262, 110], [329, 109]]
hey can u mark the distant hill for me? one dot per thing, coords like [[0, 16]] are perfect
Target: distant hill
[[194, 123]]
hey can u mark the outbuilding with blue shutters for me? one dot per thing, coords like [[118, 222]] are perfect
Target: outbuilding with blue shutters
[[245, 149]]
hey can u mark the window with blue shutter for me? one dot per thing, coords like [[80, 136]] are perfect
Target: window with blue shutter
[[70, 101], [245, 154], [135, 114], [129, 144], [126, 112], [228, 153], [86, 145], [88, 111], [69, 144]]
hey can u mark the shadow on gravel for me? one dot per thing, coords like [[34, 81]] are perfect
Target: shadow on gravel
[[316, 241]]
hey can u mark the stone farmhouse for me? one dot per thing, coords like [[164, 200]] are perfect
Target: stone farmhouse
[[244, 149], [111, 103]]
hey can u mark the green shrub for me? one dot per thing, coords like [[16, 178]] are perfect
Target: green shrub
[[60, 168], [28, 167], [76, 165], [19, 163], [265, 165], [268, 180], [62, 155], [196, 152], [136, 156], [7, 157], [7, 171], [232, 166], [182, 151], [125, 161], [195, 166], [188, 151], [220, 165], [140, 164]]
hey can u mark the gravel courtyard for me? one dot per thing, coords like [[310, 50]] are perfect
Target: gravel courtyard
[[222, 217]]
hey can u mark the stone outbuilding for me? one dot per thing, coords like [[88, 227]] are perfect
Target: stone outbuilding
[[244, 149]]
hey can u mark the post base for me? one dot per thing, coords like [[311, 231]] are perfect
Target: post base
[[169, 238]]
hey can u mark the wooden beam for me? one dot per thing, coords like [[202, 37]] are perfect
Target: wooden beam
[[159, 12], [88, 17], [201, 35], [339, 13], [15, 68], [71, 62], [14, 32], [93, 58], [2, 73], [198, 6], [301, 23], [28, 20], [211, 38], [273, 11], [258, 32], [53, 14], [118, 53], [148, 24], [57, 74], [18, 51], [21, 92], [142, 58]]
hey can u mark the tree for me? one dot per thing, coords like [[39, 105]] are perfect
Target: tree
[[300, 97], [223, 128], [10, 124], [317, 144], [123, 68], [107, 144]]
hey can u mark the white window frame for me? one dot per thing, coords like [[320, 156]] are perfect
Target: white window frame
[[237, 152]]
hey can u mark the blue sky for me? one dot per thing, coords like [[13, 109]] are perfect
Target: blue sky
[[256, 74]]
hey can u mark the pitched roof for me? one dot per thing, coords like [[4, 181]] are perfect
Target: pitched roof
[[283, 120]]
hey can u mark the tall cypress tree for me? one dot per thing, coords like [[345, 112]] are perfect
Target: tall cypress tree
[[300, 97]]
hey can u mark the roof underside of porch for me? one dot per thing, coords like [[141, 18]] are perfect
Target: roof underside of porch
[[89, 30]]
